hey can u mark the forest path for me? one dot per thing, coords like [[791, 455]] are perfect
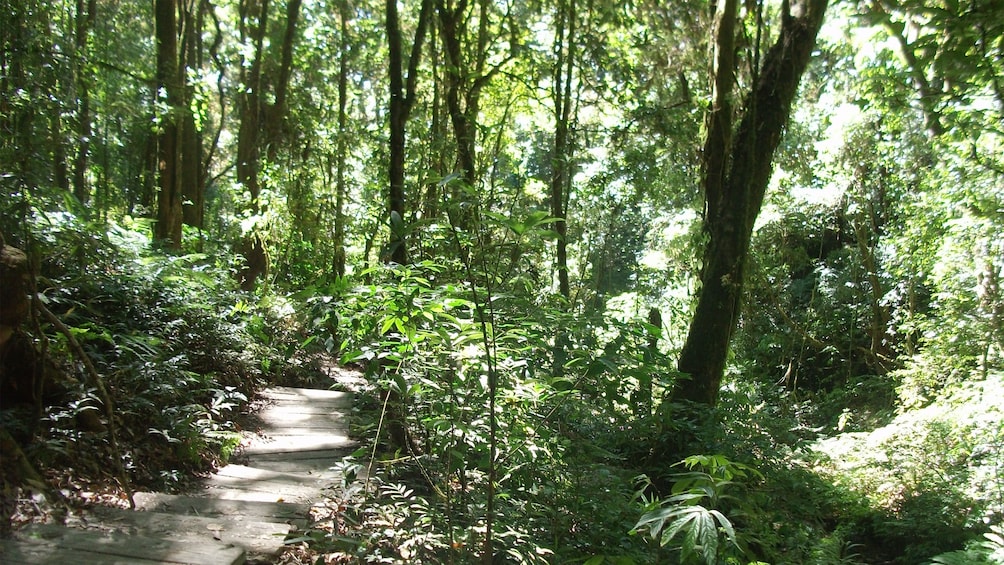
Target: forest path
[[243, 512]]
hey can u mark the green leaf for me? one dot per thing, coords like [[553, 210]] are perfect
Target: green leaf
[[707, 537], [682, 523], [726, 525]]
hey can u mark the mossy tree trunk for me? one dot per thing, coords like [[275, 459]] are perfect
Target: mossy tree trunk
[[737, 168]]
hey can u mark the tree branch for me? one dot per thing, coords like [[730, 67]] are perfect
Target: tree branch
[[95, 379]]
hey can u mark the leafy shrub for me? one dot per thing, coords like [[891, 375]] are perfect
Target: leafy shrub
[[990, 551], [932, 475], [694, 511], [164, 332]]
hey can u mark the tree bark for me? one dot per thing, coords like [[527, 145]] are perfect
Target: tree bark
[[193, 175], [737, 169], [467, 74], [457, 71], [261, 124], [338, 263], [402, 98], [86, 15], [275, 114], [642, 400], [254, 24], [564, 68], [169, 214]]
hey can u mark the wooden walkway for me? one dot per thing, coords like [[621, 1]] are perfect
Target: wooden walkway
[[242, 514]]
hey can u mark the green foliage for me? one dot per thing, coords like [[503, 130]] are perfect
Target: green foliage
[[168, 337], [932, 474], [873, 310], [438, 345], [990, 550], [834, 549], [692, 512]]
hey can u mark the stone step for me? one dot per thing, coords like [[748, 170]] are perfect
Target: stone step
[[241, 482], [308, 396], [279, 441]]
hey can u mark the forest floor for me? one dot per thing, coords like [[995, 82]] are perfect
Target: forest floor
[[283, 479]]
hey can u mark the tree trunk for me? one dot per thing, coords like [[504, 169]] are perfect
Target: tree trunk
[[275, 113], [169, 215], [457, 72], [736, 174], [643, 401], [193, 175], [260, 123], [60, 172], [402, 97], [561, 160], [254, 23], [467, 75], [86, 15], [338, 263], [436, 159]]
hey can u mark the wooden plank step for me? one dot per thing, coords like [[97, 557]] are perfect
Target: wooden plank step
[[47, 543], [306, 395], [307, 441], [269, 511], [315, 464], [278, 482], [253, 534], [283, 415]]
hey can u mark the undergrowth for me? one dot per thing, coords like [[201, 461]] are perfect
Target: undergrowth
[[580, 462], [933, 476], [178, 349]]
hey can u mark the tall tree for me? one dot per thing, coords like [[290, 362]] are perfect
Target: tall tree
[[561, 95], [169, 202], [261, 116], [193, 170], [341, 150], [86, 15], [27, 77], [402, 99], [737, 168], [469, 33]]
